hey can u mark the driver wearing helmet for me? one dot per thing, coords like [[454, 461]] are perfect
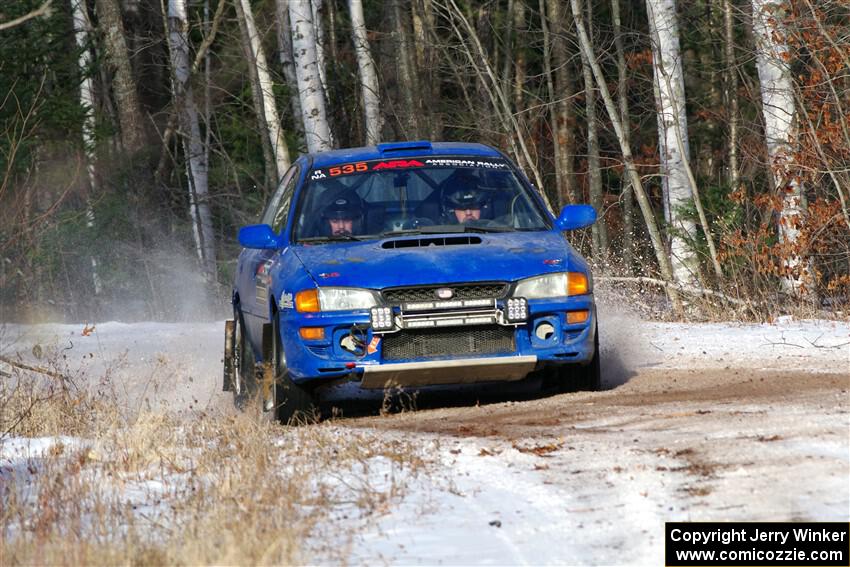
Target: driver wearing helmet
[[462, 204], [343, 216]]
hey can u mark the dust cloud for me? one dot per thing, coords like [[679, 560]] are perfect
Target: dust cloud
[[621, 342]]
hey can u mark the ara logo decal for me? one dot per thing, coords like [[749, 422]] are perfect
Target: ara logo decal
[[329, 275], [318, 174], [398, 164], [286, 300]]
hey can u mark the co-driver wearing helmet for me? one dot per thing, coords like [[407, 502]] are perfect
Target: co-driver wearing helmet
[[462, 203], [343, 216]]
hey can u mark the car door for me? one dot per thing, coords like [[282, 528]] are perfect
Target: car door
[[254, 277]]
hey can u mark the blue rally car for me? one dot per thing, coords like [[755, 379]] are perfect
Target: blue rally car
[[409, 264]]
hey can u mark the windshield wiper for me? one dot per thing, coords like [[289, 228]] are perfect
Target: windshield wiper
[[445, 229], [458, 228], [333, 238], [403, 232], [476, 228]]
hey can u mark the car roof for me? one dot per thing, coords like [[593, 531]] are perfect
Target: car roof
[[402, 149]]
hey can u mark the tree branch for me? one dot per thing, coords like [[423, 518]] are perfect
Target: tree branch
[[43, 10]]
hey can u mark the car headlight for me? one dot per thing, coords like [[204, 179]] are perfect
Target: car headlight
[[334, 299], [561, 284]]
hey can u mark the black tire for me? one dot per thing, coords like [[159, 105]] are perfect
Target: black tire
[[582, 378], [589, 377], [290, 403], [244, 365]]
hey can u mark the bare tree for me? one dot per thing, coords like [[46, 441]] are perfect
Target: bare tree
[[664, 264], [124, 85], [780, 132], [564, 118], [404, 65], [314, 114], [423, 34], [274, 130], [626, 195], [594, 175], [82, 29], [479, 62], [287, 61], [673, 144], [368, 77], [42, 11], [669, 87], [731, 92], [317, 7], [199, 210], [519, 59]]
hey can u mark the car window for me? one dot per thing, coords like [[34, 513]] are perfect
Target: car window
[[277, 211], [373, 199]]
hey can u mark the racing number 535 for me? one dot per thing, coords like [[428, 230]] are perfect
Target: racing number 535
[[348, 168]]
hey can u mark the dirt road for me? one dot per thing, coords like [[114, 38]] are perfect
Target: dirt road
[[591, 477]]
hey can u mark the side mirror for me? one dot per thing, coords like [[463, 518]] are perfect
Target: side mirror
[[259, 236], [575, 216]]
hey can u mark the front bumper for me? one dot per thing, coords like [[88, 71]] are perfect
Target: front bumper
[[326, 359]]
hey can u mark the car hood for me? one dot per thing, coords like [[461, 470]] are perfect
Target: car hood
[[498, 257]]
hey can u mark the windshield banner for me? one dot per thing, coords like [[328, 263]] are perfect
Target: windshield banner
[[396, 164]]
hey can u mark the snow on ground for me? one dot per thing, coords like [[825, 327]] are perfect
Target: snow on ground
[[817, 346]]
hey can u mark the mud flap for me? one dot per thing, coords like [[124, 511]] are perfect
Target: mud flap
[[267, 380], [229, 346]]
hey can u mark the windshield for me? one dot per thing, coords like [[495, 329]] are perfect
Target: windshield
[[375, 199]]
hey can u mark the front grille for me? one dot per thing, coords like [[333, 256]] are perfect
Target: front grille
[[427, 343], [461, 291]]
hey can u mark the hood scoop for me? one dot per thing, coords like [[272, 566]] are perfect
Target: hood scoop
[[431, 241]]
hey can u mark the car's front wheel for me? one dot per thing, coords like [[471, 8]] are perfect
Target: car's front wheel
[[282, 398], [589, 377]]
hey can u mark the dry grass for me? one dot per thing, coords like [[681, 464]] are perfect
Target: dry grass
[[105, 485]]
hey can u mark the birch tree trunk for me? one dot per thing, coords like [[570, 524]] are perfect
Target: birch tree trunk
[[780, 131], [317, 9], [274, 130], [82, 27], [287, 61], [269, 161], [368, 77], [673, 149], [664, 264], [317, 131], [199, 208], [124, 86]]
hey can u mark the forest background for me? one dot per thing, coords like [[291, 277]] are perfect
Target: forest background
[[712, 136]]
